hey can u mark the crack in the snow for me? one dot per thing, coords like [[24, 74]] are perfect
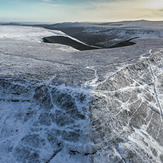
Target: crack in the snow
[[119, 154], [134, 112], [14, 100], [54, 154], [154, 88], [93, 81]]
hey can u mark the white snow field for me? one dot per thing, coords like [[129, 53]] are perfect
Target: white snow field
[[61, 105]]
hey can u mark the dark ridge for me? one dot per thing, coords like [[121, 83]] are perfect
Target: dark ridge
[[111, 24], [68, 41], [124, 43], [79, 46]]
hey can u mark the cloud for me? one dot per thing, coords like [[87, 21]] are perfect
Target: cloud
[[46, 0], [49, 3], [154, 4], [85, 10]]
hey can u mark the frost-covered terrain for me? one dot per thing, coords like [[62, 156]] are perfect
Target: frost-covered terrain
[[60, 105], [110, 34], [26, 33]]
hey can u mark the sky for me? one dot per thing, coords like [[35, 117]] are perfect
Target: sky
[[54, 11]]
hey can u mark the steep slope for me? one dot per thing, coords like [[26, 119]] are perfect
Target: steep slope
[[127, 113]]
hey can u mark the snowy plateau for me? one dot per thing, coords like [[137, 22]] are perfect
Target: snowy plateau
[[62, 105]]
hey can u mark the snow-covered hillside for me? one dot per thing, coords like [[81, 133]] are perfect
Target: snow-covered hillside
[[109, 34], [26, 33], [60, 105]]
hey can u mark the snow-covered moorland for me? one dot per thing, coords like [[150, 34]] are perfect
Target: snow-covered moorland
[[58, 104]]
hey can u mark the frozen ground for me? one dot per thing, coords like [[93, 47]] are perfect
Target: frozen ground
[[61, 105], [26, 33], [109, 34]]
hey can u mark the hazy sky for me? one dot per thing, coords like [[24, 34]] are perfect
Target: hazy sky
[[84, 10]]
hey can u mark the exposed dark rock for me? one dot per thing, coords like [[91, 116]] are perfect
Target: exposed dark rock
[[33, 140], [71, 136], [45, 119], [25, 153], [63, 119]]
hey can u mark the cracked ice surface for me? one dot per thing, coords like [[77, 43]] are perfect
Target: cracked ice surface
[[93, 106]]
